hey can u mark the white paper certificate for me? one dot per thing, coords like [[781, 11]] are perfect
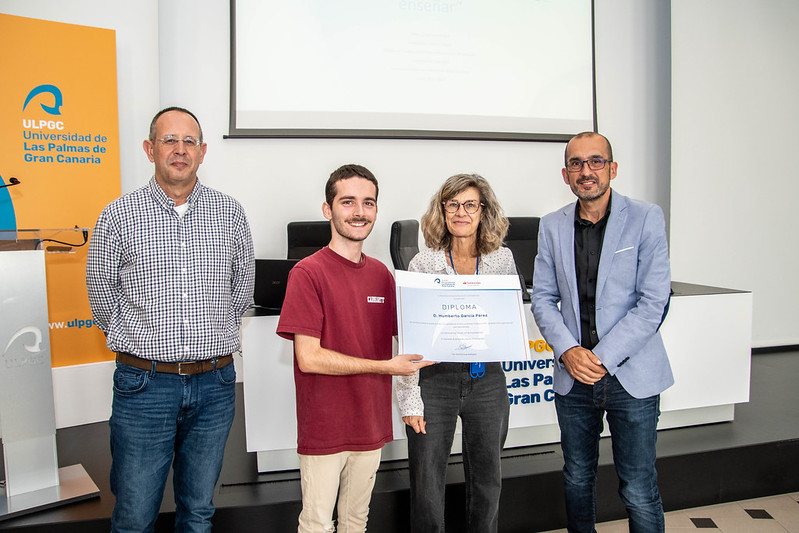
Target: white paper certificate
[[461, 318]]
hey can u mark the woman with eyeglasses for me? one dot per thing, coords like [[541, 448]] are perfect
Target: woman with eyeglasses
[[464, 227]]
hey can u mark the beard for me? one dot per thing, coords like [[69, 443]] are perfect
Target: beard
[[587, 196]]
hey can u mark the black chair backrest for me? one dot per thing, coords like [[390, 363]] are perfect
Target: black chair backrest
[[404, 242], [522, 239], [305, 238]]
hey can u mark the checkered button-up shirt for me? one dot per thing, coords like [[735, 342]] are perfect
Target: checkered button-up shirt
[[166, 287]]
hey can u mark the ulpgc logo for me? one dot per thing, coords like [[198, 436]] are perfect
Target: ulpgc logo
[[55, 109], [47, 89], [32, 355]]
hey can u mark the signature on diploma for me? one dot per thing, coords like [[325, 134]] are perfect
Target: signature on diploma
[[463, 346]]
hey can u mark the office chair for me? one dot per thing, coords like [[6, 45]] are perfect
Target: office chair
[[404, 243], [305, 238], [522, 239]]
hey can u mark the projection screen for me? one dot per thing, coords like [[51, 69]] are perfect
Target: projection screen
[[460, 69]]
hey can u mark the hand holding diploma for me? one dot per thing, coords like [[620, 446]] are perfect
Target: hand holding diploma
[[407, 364]]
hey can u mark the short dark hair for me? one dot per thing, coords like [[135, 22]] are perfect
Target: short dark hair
[[344, 172], [167, 110], [588, 134]]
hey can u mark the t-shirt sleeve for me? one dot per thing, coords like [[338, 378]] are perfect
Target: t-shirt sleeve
[[302, 309]]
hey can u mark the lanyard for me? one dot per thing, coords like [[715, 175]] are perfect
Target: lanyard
[[476, 268], [476, 370]]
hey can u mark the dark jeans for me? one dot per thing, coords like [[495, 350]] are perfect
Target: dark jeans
[[158, 420], [633, 429], [448, 391]]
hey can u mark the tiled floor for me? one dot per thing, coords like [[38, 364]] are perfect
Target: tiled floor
[[776, 514]]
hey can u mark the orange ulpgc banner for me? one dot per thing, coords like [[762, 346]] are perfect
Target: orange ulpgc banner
[[59, 151]]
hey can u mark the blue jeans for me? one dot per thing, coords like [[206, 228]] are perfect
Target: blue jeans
[[633, 429], [482, 404], [158, 420]]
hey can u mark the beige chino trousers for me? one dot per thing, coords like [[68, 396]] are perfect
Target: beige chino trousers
[[348, 475]]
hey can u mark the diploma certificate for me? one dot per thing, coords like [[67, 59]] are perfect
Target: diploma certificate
[[472, 319]]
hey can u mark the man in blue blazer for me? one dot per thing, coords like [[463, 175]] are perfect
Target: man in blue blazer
[[600, 292]]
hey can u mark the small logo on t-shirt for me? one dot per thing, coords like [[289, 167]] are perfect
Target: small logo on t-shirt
[[375, 299]]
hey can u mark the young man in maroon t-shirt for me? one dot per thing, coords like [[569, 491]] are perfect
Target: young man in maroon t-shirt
[[340, 312]]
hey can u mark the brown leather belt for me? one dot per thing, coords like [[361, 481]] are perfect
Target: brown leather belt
[[184, 368]]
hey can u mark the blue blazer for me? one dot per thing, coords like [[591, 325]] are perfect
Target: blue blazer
[[633, 287]]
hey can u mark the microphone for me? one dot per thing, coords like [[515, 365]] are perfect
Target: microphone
[[11, 182]]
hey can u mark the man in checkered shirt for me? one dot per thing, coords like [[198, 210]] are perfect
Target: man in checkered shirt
[[169, 273]]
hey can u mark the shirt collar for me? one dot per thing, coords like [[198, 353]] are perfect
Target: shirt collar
[[488, 259], [581, 222], [167, 202]]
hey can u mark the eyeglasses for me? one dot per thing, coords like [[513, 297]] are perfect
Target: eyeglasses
[[594, 163], [170, 141], [470, 206]]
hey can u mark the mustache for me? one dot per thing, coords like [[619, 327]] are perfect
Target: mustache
[[358, 219]]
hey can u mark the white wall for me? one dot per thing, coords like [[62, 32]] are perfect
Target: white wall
[[735, 108]]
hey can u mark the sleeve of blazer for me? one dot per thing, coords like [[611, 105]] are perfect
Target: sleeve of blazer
[[652, 286], [546, 293]]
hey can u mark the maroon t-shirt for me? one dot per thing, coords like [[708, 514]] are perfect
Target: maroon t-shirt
[[351, 308]]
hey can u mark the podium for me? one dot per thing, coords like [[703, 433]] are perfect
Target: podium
[[27, 412]]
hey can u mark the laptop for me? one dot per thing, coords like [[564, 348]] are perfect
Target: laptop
[[271, 276]]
